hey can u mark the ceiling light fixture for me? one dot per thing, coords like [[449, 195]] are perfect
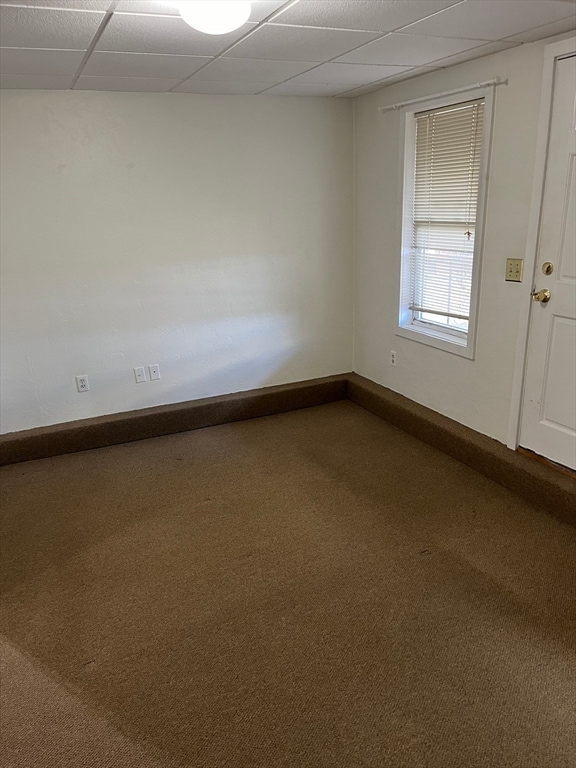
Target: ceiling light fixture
[[215, 17]]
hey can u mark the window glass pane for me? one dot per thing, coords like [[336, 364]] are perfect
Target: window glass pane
[[446, 182]]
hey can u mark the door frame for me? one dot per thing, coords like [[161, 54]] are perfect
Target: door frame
[[552, 53]]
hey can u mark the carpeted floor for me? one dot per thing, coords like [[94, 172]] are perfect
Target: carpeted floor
[[310, 590]]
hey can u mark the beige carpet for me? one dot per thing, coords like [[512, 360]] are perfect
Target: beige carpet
[[310, 590]]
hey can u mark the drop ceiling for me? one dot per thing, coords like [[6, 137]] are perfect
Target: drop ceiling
[[296, 48]]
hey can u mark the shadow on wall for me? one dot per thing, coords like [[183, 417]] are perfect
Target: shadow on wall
[[184, 232], [214, 326]]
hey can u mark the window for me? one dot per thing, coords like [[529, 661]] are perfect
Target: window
[[445, 162]]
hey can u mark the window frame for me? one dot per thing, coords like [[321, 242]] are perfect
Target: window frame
[[406, 325]]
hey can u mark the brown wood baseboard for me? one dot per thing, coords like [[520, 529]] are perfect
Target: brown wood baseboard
[[126, 427], [543, 460], [538, 483]]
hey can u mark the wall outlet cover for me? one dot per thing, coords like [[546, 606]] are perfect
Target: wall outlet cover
[[514, 270]]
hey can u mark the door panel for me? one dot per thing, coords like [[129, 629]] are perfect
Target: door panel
[[567, 255], [549, 406], [559, 400]]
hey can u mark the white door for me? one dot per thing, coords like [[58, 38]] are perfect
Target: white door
[[548, 424]]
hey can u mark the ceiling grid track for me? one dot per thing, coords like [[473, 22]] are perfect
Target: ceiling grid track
[[332, 48], [248, 34], [103, 24]]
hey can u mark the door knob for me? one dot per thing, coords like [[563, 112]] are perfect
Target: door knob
[[543, 296]]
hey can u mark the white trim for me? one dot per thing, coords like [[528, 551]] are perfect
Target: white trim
[[440, 339], [453, 92], [552, 53]]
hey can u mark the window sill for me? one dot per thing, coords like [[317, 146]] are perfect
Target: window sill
[[432, 337]]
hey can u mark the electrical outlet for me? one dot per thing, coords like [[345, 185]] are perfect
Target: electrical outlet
[[82, 383], [139, 374], [154, 371], [392, 357]]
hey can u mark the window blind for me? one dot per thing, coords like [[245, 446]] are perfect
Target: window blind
[[446, 182]]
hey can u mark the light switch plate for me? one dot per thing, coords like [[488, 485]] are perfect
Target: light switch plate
[[139, 374], [514, 270]]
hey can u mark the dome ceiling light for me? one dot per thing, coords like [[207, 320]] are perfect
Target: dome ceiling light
[[215, 17]]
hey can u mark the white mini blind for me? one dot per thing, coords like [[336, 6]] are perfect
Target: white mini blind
[[446, 183]]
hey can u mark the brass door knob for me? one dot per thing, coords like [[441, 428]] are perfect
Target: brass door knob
[[543, 296]]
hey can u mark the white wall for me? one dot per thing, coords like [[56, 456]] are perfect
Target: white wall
[[211, 235], [474, 392]]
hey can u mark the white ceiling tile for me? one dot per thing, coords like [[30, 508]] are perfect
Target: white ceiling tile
[[492, 19], [137, 33], [42, 28], [416, 72], [148, 47], [376, 15], [298, 43], [548, 30], [35, 61], [483, 50], [78, 5], [158, 7], [352, 94], [401, 49], [261, 9], [36, 82], [227, 88], [110, 64], [348, 75], [304, 89], [409, 75], [355, 92], [134, 84], [252, 70]]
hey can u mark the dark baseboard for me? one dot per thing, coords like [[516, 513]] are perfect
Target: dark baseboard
[[542, 485], [126, 427]]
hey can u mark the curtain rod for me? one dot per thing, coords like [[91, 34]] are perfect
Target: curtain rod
[[474, 87]]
